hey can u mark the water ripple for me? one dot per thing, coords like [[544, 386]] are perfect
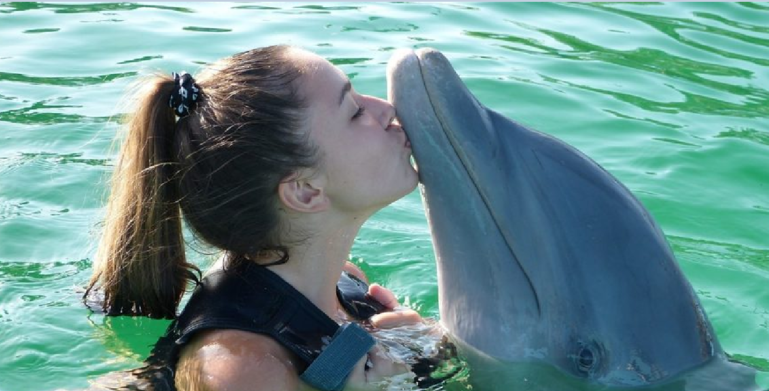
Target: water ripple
[[644, 59], [691, 102], [720, 253], [380, 25], [754, 6], [32, 115], [753, 135], [41, 30], [732, 23], [348, 61], [328, 8], [78, 8], [77, 81], [140, 59], [67, 158], [672, 27], [36, 272], [206, 29], [645, 120], [256, 7]]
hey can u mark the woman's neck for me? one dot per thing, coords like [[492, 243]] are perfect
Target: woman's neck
[[316, 263]]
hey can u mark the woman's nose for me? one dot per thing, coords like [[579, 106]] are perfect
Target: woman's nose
[[386, 112]]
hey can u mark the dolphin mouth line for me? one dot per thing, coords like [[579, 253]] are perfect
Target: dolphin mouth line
[[462, 159]]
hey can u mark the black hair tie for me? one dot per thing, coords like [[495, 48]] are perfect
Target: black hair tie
[[184, 94]]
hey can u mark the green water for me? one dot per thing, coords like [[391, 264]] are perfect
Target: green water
[[672, 99]]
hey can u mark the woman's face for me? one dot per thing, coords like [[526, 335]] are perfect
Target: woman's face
[[364, 155]]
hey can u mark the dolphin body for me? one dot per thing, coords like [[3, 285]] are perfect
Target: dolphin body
[[552, 275]]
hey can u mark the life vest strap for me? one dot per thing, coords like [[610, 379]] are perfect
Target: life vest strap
[[330, 370]]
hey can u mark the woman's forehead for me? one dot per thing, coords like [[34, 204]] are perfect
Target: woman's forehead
[[320, 78]]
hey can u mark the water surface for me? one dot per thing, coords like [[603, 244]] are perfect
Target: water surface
[[670, 98]]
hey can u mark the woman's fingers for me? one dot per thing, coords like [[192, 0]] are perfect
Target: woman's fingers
[[390, 319], [387, 320], [353, 269], [383, 295]]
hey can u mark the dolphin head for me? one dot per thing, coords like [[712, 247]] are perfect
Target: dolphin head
[[542, 255]]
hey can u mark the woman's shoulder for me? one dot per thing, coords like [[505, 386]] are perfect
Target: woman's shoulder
[[236, 360]]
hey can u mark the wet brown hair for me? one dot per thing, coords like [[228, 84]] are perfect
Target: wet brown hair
[[218, 168]]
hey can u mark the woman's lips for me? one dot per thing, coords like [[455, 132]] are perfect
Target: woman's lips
[[399, 129]]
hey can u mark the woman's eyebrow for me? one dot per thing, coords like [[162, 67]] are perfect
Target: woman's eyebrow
[[345, 89]]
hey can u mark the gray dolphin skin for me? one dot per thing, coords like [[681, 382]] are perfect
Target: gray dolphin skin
[[551, 274]]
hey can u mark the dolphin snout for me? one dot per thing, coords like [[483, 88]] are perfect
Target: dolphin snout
[[402, 58]]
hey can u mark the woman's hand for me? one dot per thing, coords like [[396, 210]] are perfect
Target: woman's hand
[[395, 316], [370, 371]]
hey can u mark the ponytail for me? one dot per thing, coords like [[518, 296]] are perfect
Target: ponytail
[[141, 267], [219, 165]]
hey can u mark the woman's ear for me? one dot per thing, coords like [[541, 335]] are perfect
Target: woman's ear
[[303, 195]]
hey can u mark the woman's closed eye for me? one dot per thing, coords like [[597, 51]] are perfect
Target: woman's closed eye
[[359, 112]]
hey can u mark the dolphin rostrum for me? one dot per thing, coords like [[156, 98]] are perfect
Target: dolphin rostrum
[[551, 274]]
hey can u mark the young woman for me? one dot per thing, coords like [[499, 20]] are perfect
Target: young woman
[[271, 156]]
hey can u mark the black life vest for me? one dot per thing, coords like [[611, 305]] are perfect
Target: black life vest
[[257, 300]]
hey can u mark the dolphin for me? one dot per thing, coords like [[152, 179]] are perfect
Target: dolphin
[[551, 274]]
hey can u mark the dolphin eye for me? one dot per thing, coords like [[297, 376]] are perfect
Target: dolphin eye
[[587, 359]]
